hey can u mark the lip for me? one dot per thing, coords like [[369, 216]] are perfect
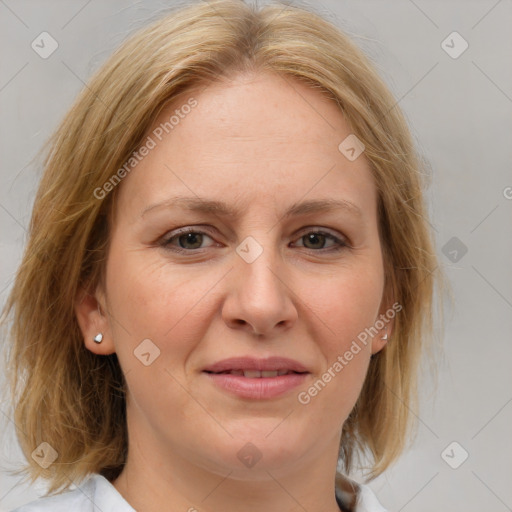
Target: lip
[[259, 388], [252, 363]]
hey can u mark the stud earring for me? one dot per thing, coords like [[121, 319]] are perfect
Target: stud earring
[[98, 338], [385, 337]]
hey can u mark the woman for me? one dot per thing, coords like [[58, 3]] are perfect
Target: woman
[[229, 276]]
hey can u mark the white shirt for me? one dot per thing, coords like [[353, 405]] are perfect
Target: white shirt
[[97, 494]]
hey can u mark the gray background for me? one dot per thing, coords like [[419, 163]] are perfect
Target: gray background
[[460, 112]]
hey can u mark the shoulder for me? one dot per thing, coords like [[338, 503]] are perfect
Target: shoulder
[[96, 493], [367, 501], [74, 500]]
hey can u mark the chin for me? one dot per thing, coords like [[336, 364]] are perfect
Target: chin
[[257, 448]]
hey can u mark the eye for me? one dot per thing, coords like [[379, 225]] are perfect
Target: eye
[[187, 240], [315, 240]]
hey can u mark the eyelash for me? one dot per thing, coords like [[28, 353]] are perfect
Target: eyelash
[[166, 242]]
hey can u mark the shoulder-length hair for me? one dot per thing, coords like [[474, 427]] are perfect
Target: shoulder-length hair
[[74, 400]]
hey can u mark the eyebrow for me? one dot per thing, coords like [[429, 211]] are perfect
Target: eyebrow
[[220, 208]]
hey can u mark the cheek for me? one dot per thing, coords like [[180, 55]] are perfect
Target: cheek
[[345, 307], [150, 299], [347, 303]]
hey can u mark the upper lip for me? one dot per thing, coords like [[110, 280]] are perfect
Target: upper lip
[[251, 363]]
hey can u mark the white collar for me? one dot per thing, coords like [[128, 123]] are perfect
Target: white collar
[[354, 497]]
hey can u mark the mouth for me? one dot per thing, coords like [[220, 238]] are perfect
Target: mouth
[[257, 379]]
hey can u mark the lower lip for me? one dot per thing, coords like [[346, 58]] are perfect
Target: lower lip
[[258, 388]]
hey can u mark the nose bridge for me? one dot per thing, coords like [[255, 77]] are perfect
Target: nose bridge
[[260, 262], [260, 300]]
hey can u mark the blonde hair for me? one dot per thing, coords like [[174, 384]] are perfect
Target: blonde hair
[[65, 395]]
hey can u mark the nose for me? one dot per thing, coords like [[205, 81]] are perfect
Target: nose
[[260, 301]]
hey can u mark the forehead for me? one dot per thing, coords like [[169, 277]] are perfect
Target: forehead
[[262, 138]]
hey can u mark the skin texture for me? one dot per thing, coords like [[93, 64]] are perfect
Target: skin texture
[[260, 143]]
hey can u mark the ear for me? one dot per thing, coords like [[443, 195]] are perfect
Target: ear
[[90, 313], [384, 323]]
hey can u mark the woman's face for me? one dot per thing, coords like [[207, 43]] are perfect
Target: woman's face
[[259, 277]]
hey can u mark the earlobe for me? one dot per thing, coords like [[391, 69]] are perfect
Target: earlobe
[[93, 324], [381, 339]]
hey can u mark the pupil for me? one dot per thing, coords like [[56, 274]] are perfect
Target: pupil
[[192, 238], [315, 237]]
